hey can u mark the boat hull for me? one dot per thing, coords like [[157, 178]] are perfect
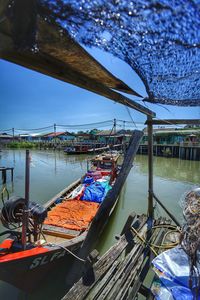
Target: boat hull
[[28, 272]]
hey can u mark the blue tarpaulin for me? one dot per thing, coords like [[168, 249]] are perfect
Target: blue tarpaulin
[[174, 271], [96, 191]]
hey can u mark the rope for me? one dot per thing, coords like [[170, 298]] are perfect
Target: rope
[[67, 250], [143, 240], [162, 246]]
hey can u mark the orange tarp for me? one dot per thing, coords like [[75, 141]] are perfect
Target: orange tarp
[[72, 214]]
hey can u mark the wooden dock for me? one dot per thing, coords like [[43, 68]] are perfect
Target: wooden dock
[[183, 151], [121, 272]]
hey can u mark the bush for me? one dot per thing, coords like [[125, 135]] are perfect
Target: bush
[[22, 144]]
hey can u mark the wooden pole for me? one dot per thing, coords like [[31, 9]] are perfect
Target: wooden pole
[[150, 168], [26, 206]]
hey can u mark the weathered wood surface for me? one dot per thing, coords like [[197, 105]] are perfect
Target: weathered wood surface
[[59, 231], [119, 277], [174, 122], [80, 291]]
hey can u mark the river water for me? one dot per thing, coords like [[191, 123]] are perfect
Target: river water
[[51, 171]]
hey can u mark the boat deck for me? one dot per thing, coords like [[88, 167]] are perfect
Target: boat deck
[[121, 272]]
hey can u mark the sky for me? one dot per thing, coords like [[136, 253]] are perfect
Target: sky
[[29, 99]]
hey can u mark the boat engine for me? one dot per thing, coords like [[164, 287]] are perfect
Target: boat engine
[[12, 212]]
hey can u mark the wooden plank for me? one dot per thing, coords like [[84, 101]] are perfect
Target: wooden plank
[[79, 291], [21, 21], [56, 54], [129, 222], [123, 285], [134, 268], [99, 286], [174, 122], [141, 276], [111, 291], [59, 231]]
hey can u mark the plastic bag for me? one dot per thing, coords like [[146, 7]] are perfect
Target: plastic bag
[[174, 272]]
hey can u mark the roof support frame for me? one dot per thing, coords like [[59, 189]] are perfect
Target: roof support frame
[[13, 47], [173, 122]]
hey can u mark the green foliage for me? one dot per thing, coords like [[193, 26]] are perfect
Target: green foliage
[[22, 144]]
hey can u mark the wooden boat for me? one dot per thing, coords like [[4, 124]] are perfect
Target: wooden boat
[[84, 149], [55, 229]]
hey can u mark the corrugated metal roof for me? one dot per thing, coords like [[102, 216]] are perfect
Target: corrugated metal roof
[[53, 134]]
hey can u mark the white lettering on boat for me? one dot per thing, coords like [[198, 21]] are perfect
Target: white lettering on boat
[[43, 260]]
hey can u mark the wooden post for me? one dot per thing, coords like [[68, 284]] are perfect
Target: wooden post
[[26, 206], [150, 167], [4, 175], [12, 174]]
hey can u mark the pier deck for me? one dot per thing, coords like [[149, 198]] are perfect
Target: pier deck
[[121, 272]]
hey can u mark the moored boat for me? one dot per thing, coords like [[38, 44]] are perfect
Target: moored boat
[[56, 230], [85, 149]]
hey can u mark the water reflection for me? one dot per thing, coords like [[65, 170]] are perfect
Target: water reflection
[[172, 168]]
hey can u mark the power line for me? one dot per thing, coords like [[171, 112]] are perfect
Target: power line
[[74, 126]]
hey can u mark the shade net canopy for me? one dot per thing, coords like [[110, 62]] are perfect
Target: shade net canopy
[[159, 39]]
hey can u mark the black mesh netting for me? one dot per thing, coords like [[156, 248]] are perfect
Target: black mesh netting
[[159, 39]]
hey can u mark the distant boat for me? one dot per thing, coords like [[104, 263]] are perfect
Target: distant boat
[[84, 149], [56, 229]]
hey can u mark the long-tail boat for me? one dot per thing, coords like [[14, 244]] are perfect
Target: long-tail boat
[[42, 237], [84, 149]]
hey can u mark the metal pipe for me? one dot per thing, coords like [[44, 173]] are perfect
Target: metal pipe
[[150, 168], [26, 205]]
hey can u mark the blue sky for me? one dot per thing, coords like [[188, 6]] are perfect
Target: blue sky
[[31, 100]]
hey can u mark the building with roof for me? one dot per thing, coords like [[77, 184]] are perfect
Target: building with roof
[[173, 136], [4, 137], [58, 136], [117, 137]]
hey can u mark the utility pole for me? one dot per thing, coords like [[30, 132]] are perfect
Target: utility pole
[[54, 142], [13, 133], [114, 126], [124, 123], [54, 126]]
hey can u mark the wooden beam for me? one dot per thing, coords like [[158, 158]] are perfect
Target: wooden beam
[[150, 169], [43, 63], [174, 122], [30, 41]]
